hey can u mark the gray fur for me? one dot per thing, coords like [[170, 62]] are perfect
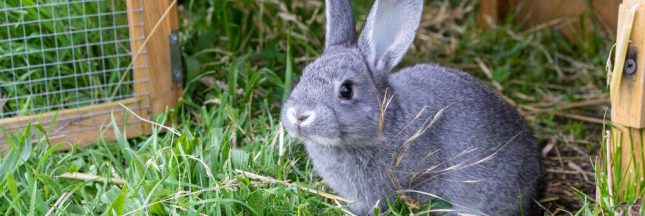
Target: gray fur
[[442, 132], [388, 33], [340, 23]]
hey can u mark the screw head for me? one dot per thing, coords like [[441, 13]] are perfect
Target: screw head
[[630, 66]]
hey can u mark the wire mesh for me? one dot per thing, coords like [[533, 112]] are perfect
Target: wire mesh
[[63, 54]]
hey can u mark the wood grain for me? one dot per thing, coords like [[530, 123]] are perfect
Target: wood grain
[[563, 14], [628, 106], [139, 54], [628, 103], [491, 11], [161, 90], [164, 91], [80, 126]]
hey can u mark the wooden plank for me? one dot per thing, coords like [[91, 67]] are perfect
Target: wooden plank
[[563, 14], [163, 91], [491, 12], [607, 13], [628, 102], [137, 48], [81, 125]]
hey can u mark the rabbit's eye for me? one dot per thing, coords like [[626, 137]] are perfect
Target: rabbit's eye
[[345, 90]]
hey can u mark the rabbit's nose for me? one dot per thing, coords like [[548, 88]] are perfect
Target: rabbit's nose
[[300, 118], [303, 117]]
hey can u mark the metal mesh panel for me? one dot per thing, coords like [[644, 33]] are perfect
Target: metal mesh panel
[[62, 54]]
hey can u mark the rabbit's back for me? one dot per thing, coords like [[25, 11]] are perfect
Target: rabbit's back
[[477, 151]]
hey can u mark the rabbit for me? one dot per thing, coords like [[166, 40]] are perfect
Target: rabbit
[[424, 132]]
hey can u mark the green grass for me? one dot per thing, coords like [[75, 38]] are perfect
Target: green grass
[[241, 58], [620, 190]]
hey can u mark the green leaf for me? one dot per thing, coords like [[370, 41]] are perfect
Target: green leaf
[[157, 208], [288, 74], [13, 188], [192, 68], [501, 74], [118, 205], [19, 153]]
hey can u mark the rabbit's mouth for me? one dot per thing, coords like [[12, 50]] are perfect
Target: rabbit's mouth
[[324, 141], [307, 125], [315, 139]]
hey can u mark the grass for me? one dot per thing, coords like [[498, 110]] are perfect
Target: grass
[[231, 156], [619, 189]]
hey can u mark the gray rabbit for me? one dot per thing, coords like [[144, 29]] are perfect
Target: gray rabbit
[[424, 132]]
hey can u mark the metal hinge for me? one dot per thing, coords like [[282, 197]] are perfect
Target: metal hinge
[[176, 67]]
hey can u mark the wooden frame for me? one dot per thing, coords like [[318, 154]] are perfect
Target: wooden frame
[[492, 11], [564, 14], [628, 96], [156, 92]]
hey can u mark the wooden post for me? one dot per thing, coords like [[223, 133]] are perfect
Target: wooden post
[[153, 66], [563, 14], [627, 98], [491, 11]]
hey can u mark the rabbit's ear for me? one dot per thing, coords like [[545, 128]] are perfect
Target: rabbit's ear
[[388, 33], [340, 23]]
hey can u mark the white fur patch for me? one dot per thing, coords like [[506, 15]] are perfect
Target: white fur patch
[[291, 115], [324, 141]]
